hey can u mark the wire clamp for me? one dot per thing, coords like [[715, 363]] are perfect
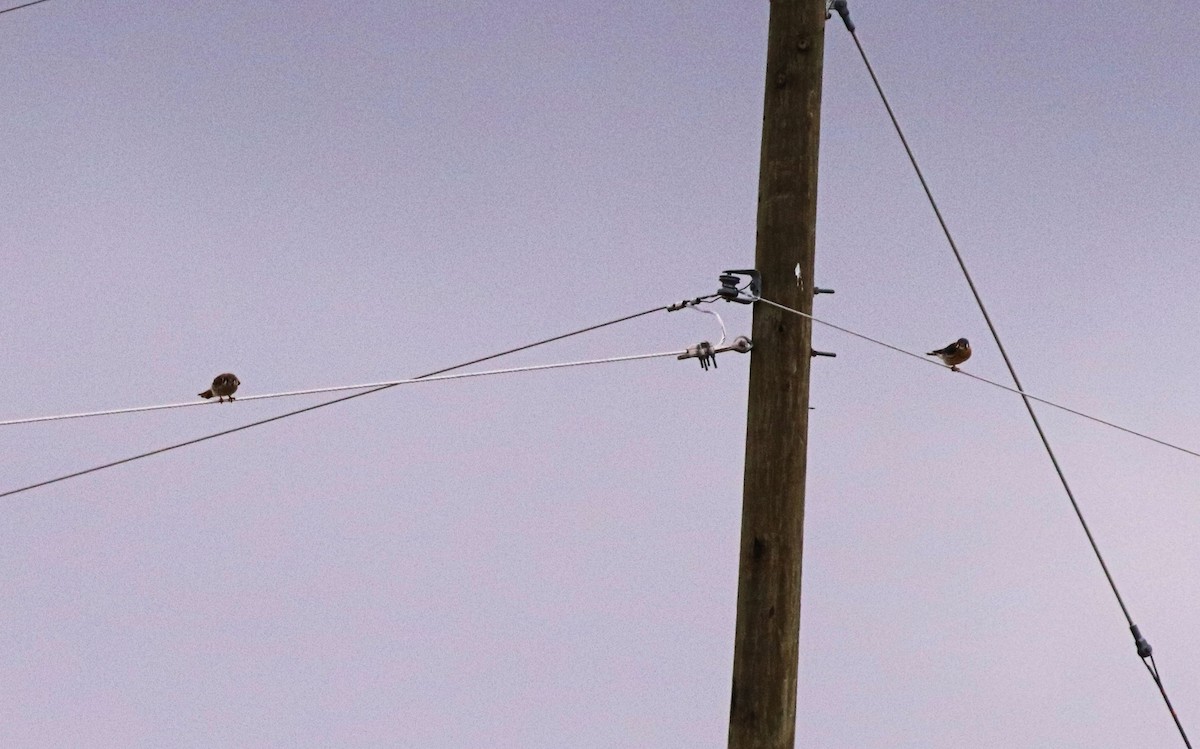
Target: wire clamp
[[1143, 647], [703, 351], [707, 354], [685, 304], [730, 291]]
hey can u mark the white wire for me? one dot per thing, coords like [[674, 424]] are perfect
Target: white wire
[[720, 322], [993, 383], [337, 388]]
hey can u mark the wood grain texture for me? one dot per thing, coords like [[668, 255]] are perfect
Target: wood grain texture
[[766, 646]]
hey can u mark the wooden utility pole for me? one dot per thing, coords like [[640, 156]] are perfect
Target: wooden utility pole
[[762, 711]]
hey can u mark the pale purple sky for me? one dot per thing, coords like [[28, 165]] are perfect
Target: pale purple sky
[[310, 194]]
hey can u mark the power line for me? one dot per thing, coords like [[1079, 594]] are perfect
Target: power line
[[690, 304], [18, 7], [375, 388], [1143, 647], [339, 388], [385, 386], [982, 307], [985, 380]]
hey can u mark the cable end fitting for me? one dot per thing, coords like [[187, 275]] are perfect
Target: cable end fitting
[[1143, 647], [741, 344], [843, 10]]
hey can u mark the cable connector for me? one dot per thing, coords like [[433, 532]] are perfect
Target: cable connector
[[686, 303], [730, 292], [1143, 647], [707, 354], [703, 351], [843, 10]]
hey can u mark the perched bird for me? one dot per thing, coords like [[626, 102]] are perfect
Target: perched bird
[[224, 386], [954, 354]]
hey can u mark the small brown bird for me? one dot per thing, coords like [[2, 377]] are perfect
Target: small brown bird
[[954, 354], [224, 386]]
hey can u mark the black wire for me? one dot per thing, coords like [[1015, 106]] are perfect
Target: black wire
[[340, 400], [991, 327], [1007, 362], [1152, 667], [18, 7]]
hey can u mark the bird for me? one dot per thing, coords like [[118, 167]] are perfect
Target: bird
[[224, 386], [954, 354]]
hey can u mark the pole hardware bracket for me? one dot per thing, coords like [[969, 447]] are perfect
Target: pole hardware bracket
[[730, 292]]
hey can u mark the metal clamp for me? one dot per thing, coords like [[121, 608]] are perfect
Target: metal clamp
[[703, 351], [707, 354], [685, 304], [1143, 647]]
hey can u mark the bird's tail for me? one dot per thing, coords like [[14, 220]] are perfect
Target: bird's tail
[[206, 394]]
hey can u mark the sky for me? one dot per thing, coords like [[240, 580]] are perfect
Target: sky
[[309, 195]]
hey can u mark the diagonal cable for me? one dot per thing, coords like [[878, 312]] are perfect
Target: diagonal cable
[[18, 7], [1143, 647]]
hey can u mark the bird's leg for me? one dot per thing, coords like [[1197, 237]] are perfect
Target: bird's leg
[[953, 369], [231, 399]]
